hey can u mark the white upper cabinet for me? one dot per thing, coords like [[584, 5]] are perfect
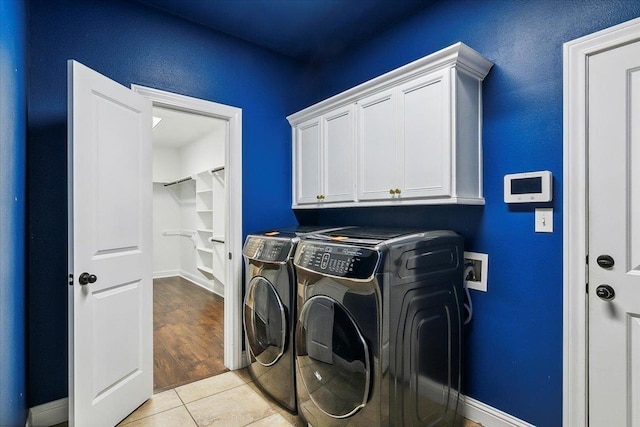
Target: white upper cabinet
[[403, 141], [423, 141], [338, 154], [377, 150], [308, 161], [411, 136], [324, 171]]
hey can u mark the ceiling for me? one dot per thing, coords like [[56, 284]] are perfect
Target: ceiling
[[308, 30], [178, 128]]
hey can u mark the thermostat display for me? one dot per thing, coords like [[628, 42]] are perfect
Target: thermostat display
[[528, 187]]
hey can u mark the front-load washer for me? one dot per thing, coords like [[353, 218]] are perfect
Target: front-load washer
[[378, 337], [269, 311]]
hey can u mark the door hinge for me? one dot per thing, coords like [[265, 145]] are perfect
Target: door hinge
[[230, 257], [587, 288], [70, 279]]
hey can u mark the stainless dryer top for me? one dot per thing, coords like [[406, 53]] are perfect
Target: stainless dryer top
[[366, 236], [276, 245], [292, 232], [355, 253]]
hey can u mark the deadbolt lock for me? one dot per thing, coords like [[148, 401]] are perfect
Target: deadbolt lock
[[605, 261]]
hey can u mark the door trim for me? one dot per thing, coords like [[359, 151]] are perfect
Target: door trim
[[233, 161], [575, 126]]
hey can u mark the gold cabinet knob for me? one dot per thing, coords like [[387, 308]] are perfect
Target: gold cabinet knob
[[318, 197], [398, 191], [392, 192]]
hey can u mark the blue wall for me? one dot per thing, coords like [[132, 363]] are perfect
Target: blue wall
[[13, 113], [132, 43], [514, 344]]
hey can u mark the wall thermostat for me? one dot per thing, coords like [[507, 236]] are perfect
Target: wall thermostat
[[528, 187]]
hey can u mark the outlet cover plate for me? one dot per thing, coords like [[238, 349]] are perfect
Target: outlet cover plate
[[480, 266]]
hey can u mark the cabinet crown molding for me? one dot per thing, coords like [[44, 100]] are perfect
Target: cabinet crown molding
[[458, 55]]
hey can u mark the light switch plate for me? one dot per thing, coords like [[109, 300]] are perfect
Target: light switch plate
[[544, 220]]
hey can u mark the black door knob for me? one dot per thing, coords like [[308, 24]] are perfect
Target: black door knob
[[87, 278], [605, 292]]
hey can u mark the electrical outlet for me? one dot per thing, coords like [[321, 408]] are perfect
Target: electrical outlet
[[476, 267]]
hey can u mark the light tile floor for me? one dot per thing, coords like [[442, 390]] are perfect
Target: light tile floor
[[230, 399]]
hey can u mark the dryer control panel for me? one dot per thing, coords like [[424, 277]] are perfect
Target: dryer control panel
[[350, 262], [267, 249]]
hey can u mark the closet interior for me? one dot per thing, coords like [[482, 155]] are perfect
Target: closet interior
[[189, 197]]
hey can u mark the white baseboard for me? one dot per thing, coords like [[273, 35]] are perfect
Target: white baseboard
[[49, 414], [488, 416], [165, 273], [210, 285]]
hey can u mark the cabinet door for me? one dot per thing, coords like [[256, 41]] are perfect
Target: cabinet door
[[424, 139], [308, 158], [339, 164], [377, 147]]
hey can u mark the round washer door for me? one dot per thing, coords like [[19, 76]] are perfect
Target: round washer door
[[265, 322], [333, 357]]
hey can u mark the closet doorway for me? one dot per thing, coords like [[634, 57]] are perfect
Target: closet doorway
[[197, 237], [189, 254]]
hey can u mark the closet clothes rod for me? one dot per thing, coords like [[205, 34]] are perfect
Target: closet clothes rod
[[218, 169], [178, 181]]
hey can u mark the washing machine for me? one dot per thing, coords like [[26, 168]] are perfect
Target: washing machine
[[269, 311], [378, 336]]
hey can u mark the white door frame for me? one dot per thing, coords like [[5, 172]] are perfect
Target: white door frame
[[233, 162], [575, 314]]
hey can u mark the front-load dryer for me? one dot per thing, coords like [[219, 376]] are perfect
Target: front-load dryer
[[378, 336], [269, 311]]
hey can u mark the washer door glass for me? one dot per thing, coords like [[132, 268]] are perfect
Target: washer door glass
[[333, 357], [265, 322]]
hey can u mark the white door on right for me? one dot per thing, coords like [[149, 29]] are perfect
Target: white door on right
[[614, 236]]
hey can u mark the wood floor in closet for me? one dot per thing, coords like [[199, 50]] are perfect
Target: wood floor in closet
[[187, 333]]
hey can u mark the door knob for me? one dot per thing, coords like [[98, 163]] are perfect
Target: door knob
[[605, 292], [605, 261], [87, 278]]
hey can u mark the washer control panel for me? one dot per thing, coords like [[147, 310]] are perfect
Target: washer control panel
[[351, 262], [267, 249]]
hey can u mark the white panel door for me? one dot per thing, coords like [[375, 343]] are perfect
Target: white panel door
[[339, 146], [614, 231], [425, 136], [110, 249], [308, 162], [377, 146]]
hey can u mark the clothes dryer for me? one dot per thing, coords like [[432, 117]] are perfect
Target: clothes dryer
[[378, 337], [269, 311]]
